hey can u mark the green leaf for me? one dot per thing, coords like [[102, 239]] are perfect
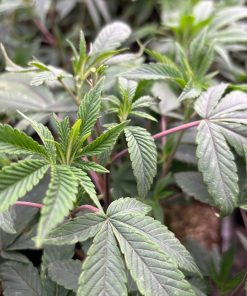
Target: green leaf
[[143, 155], [20, 279], [103, 270], [143, 102], [65, 273], [59, 200], [143, 115], [79, 229], [206, 103], [63, 128], [90, 166], [111, 37], [127, 205], [7, 222], [153, 271], [45, 136], [127, 88], [18, 179], [87, 185], [216, 162], [13, 141], [105, 141], [155, 72], [160, 235], [90, 107], [192, 184]]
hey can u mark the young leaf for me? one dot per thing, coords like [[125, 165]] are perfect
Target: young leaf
[[127, 205], [13, 141], [216, 162], [90, 107], [159, 234], [103, 270], [7, 222], [20, 279], [153, 271], [59, 200], [63, 128], [111, 37], [143, 102], [127, 88], [105, 141], [77, 230], [65, 273], [90, 166], [18, 179], [87, 185], [143, 155]]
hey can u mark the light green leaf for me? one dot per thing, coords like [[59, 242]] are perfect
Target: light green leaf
[[87, 185], [79, 229], [216, 162], [155, 72], [45, 136], [111, 37], [160, 235], [13, 141], [90, 166], [143, 155], [143, 102], [127, 88], [20, 279], [105, 141], [65, 273], [59, 200], [154, 272], [63, 128], [18, 179], [192, 184], [126, 205], [143, 115], [206, 103], [103, 270], [90, 107], [7, 222]]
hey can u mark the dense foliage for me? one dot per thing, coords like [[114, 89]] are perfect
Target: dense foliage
[[102, 125]]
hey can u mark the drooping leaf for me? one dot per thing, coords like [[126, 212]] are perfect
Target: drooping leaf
[[87, 185], [90, 107], [127, 205], [18, 179], [105, 141], [143, 155], [13, 141], [153, 271], [20, 279], [79, 229], [111, 37], [159, 234], [216, 162], [7, 222], [103, 270], [59, 200], [65, 273]]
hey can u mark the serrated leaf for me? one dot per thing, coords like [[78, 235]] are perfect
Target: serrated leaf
[[65, 273], [206, 103], [154, 272], [63, 129], [59, 200], [87, 185], [79, 229], [111, 37], [13, 141], [18, 179], [105, 141], [164, 238], [45, 136], [90, 107], [155, 72], [127, 88], [90, 166], [20, 279], [143, 155], [103, 270], [216, 162], [192, 184], [7, 222], [143, 102], [126, 205], [143, 115]]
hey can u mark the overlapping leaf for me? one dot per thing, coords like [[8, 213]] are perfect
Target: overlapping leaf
[[143, 155]]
